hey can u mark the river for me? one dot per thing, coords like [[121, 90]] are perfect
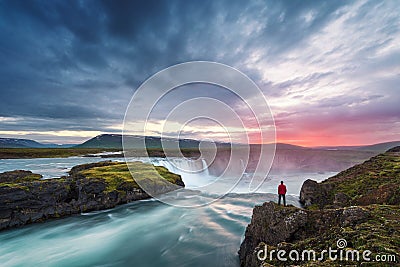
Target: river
[[143, 233]]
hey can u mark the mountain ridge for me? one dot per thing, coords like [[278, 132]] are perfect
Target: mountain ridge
[[378, 147], [136, 141], [28, 143], [19, 143], [114, 141]]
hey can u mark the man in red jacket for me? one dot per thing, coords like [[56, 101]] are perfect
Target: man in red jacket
[[282, 192]]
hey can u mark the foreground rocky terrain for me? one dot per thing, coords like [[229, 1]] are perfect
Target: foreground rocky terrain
[[26, 198], [360, 205]]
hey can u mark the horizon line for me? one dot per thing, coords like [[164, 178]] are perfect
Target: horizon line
[[276, 143]]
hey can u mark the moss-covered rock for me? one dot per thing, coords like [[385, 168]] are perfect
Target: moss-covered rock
[[26, 198], [120, 177], [376, 181], [19, 176], [373, 227]]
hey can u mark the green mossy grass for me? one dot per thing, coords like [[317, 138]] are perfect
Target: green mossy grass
[[371, 180], [20, 181], [117, 173], [15, 185]]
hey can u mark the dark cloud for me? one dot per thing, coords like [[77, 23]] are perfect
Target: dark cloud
[[128, 19]]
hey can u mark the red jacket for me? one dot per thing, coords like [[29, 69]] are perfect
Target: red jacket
[[282, 189]]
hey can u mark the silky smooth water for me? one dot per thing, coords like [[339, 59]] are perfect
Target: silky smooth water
[[143, 233]]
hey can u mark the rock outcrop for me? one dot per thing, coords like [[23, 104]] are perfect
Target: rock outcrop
[[360, 205], [312, 192], [26, 198], [289, 228], [374, 227], [376, 181]]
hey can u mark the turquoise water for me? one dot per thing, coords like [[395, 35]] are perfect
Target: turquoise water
[[144, 233]]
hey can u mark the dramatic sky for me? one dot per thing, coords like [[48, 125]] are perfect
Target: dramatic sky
[[330, 70]]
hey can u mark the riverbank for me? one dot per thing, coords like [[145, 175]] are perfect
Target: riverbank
[[30, 153]]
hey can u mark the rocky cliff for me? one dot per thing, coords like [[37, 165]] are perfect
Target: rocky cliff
[[376, 181], [373, 227], [26, 198], [359, 205]]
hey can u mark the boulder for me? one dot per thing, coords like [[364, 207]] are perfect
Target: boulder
[[313, 193]]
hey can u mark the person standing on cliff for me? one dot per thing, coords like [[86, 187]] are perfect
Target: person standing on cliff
[[282, 192]]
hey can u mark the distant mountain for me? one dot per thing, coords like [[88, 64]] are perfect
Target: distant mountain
[[19, 143], [103, 141], [134, 141], [281, 146], [51, 145], [114, 141], [380, 147], [27, 143]]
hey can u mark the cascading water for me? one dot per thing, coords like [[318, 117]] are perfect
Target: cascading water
[[242, 165], [142, 233], [195, 172], [205, 167], [183, 165]]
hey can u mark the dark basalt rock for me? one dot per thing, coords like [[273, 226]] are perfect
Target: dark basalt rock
[[272, 224], [394, 149], [18, 176], [279, 226]]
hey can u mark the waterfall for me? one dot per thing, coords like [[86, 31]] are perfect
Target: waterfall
[[165, 163], [205, 167], [183, 165], [242, 166]]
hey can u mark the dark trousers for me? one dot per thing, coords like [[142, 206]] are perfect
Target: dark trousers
[[284, 200]]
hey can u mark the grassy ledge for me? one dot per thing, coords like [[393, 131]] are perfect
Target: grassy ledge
[[117, 175], [375, 181]]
